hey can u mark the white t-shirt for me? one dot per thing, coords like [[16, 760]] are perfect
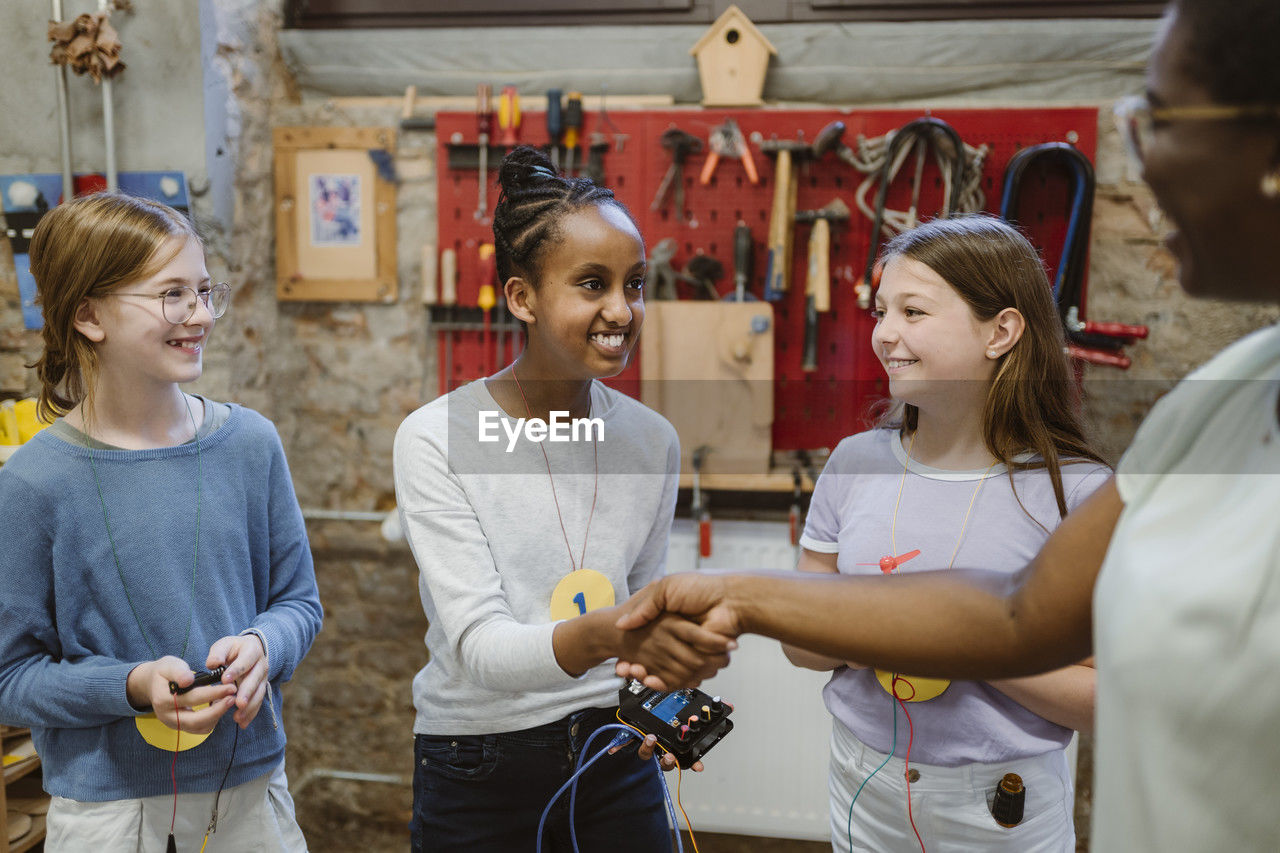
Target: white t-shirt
[[852, 514], [1187, 619]]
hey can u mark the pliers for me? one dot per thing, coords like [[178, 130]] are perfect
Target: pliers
[[727, 141]]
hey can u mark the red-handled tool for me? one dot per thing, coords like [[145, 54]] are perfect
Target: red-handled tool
[[1114, 330], [509, 117], [698, 507], [1097, 356]]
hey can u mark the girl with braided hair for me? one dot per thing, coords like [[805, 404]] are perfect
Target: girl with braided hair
[[524, 543]]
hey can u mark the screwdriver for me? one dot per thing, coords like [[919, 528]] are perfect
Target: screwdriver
[[484, 126], [555, 126], [743, 250], [509, 117], [572, 129], [486, 297]]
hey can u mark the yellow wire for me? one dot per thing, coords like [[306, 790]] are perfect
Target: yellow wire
[[679, 780], [203, 843], [687, 822]]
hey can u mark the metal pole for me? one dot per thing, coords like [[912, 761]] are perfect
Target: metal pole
[[108, 122], [64, 119]]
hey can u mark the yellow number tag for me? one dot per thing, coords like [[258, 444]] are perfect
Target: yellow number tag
[[161, 736], [580, 592], [911, 688]]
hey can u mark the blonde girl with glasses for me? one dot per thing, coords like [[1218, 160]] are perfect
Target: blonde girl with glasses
[[146, 535]]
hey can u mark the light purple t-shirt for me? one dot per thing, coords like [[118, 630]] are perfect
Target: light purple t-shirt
[[852, 515]]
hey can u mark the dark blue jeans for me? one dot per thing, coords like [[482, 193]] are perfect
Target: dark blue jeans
[[486, 793]]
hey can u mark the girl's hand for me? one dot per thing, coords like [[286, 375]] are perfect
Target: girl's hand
[[679, 651], [667, 761], [246, 665], [148, 685]]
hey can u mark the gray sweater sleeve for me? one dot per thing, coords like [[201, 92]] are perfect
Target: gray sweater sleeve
[[462, 590], [652, 563]]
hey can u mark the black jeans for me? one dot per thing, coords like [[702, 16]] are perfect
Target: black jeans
[[486, 793]]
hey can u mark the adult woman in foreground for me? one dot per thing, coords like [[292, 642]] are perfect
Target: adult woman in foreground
[[1181, 549]]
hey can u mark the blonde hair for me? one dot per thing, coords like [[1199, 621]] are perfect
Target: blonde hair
[[1032, 404], [84, 249]]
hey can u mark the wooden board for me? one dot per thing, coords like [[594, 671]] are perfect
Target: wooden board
[[705, 369]]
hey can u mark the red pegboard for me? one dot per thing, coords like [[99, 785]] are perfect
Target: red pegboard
[[812, 410]]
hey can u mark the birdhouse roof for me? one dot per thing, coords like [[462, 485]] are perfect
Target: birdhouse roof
[[733, 17]]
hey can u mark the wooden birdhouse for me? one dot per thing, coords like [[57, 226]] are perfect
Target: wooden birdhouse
[[732, 58]]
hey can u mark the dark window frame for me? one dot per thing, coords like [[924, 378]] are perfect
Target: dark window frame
[[356, 14]]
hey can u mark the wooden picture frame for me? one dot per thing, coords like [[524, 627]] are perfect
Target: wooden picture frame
[[335, 215]]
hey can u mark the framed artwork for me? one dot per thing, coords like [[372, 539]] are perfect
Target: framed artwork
[[335, 215]]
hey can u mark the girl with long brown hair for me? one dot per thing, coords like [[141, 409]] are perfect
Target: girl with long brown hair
[[976, 457]]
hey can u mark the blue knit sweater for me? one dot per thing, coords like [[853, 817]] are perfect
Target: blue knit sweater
[[68, 634]]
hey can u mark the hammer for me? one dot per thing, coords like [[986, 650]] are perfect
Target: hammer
[[777, 276], [818, 281]]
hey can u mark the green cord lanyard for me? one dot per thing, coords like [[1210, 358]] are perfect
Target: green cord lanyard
[[195, 560]]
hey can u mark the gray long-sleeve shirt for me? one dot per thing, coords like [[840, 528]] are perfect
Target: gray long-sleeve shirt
[[483, 525]]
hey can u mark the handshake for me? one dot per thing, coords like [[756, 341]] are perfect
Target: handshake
[[679, 630]]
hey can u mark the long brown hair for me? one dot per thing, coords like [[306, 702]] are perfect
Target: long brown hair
[[1032, 404], [84, 249]]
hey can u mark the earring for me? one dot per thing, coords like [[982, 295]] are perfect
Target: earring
[[991, 353], [1270, 183]]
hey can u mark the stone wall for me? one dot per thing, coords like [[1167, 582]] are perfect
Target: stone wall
[[338, 379]]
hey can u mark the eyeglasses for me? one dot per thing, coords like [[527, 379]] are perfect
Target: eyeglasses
[[179, 303], [1137, 119]]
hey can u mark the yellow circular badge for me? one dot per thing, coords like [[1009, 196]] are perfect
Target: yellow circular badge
[[911, 688], [580, 592], [161, 736]]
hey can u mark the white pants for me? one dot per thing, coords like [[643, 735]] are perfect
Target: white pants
[[950, 805], [257, 815]]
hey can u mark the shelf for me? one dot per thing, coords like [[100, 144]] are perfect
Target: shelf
[[21, 783], [33, 836], [774, 482]]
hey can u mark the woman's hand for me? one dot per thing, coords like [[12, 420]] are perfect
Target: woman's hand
[[678, 651]]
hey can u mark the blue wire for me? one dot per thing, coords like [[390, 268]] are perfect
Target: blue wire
[[848, 826], [581, 768]]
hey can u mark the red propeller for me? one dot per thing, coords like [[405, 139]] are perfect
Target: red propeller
[[888, 564]]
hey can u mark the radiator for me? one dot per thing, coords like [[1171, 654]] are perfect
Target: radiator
[[769, 776]]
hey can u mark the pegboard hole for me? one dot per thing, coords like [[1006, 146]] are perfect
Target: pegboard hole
[[714, 214], [620, 180]]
